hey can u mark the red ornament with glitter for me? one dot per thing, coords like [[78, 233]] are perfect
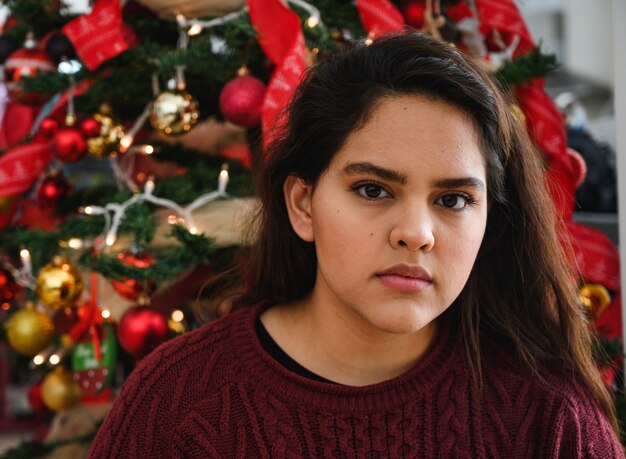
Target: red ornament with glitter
[[241, 100], [132, 288], [69, 145], [142, 329], [26, 62], [51, 189], [48, 127]]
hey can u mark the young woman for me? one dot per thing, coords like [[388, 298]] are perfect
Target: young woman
[[407, 295]]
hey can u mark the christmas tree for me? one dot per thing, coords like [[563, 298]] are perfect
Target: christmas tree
[[130, 134]]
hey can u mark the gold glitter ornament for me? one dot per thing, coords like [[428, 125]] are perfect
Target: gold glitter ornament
[[59, 284], [29, 331], [596, 298], [106, 143], [174, 112], [59, 391]]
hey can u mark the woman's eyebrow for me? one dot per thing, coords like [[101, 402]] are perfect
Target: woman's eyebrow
[[394, 176], [371, 169], [459, 182]]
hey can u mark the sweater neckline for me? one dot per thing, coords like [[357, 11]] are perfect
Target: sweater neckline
[[289, 386]]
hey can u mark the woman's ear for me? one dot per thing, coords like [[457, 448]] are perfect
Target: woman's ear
[[298, 196]]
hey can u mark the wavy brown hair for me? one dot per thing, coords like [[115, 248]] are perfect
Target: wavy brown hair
[[522, 287]]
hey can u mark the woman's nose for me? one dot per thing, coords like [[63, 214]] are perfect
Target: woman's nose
[[413, 230]]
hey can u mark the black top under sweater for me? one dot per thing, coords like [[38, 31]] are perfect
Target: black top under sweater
[[275, 351]]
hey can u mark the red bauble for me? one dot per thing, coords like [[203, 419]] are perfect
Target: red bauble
[[69, 145], [26, 62], [141, 329], [53, 188], [90, 127], [10, 290], [132, 288], [49, 127], [241, 101]]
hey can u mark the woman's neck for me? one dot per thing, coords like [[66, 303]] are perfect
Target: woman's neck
[[338, 345]]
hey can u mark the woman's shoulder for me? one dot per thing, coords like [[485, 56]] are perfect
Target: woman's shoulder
[[167, 384], [551, 401]]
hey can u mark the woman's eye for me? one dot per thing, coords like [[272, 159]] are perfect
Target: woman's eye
[[454, 201], [371, 191]]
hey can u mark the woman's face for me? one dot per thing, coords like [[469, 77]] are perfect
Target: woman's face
[[398, 217]]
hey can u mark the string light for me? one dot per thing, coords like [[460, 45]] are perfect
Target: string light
[[25, 273], [178, 315], [194, 26], [75, 243], [195, 29], [114, 212], [54, 359], [38, 359], [312, 22], [148, 149], [106, 313]]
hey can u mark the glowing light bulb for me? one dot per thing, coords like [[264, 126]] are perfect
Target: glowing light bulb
[[106, 313], [178, 315], [88, 210], [312, 22], [172, 219], [54, 359], [38, 359], [125, 142], [110, 240], [75, 243], [148, 149], [194, 30], [193, 230]]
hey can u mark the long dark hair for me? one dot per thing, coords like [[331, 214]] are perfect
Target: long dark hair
[[522, 287]]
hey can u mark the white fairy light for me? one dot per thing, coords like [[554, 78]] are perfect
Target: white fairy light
[[312, 22], [54, 359], [25, 273], [194, 26], [178, 315], [38, 359], [75, 243], [105, 313], [114, 212]]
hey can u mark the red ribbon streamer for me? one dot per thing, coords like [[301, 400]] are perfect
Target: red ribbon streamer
[[544, 120], [98, 36], [379, 16], [504, 16], [22, 165], [281, 38], [16, 123]]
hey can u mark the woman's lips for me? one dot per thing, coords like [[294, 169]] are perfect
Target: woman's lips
[[405, 278], [403, 283]]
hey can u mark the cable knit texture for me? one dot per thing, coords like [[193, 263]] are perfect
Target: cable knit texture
[[214, 392]]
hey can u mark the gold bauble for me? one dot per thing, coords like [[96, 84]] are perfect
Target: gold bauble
[[596, 298], [174, 112], [30, 331], [108, 142], [59, 391], [59, 284]]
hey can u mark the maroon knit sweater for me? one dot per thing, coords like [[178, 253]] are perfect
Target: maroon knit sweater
[[214, 392]]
